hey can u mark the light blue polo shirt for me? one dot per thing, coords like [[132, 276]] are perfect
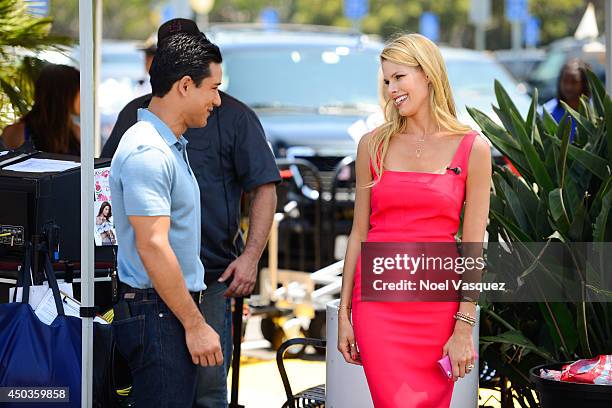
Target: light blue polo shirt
[[150, 176]]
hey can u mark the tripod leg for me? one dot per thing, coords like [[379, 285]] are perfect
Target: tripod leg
[[237, 342]]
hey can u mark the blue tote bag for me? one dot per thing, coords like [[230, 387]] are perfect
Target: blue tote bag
[[33, 354]]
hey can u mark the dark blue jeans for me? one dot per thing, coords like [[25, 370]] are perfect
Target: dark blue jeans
[[212, 381], [152, 340]]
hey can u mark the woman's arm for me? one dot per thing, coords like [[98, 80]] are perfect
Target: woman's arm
[[359, 233], [460, 346], [477, 197], [361, 224]]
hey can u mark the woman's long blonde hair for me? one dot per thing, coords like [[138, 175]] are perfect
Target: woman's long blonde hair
[[415, 50]]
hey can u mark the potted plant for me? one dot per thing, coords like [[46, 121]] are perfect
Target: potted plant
[[560, 192]]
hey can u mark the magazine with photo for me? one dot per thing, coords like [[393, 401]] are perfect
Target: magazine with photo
[[104, 228]]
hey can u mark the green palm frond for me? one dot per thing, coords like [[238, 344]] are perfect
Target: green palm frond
[[564, 190], [22, 35]]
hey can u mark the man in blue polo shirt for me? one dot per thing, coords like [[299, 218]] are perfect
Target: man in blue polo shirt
[[158, 326], [229, 156]]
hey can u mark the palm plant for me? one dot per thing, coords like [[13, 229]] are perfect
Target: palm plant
[[563, 195], [21, 37]]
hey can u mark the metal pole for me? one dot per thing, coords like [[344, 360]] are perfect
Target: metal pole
[[97, 63], [608, 47], [516, 35], [273, 257], [237, 342], [86, 40], [479, 37], [202, 20]]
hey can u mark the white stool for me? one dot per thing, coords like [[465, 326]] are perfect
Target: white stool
[[346, 385]]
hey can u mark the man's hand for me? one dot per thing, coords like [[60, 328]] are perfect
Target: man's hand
[[165, 272], [244, 271], [203, 344]]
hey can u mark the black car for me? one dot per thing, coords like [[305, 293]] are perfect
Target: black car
[[315, 92]]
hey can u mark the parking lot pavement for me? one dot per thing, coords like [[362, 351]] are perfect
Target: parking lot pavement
[[260, 382], [261, 385]]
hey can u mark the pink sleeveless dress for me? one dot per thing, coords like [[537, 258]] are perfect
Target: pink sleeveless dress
[[401, 342]]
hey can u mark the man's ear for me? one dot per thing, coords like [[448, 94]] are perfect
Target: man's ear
[[183, 84]]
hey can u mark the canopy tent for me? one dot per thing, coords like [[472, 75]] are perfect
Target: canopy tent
[[90, 29]]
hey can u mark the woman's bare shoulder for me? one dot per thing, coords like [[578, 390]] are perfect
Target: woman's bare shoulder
[[13, 135]]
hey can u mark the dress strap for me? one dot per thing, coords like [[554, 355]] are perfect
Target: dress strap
[[462, 155], [378, 160]]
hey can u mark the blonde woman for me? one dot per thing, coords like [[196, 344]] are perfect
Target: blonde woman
[[415, 174]]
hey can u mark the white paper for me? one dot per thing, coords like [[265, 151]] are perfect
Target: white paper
[[71, 306], [100, 320], [47, 312], [39, 291], [42, 165]]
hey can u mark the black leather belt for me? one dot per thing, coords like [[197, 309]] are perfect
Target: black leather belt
[[130, 293]]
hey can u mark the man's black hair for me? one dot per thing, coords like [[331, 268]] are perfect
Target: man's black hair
[[182, 55]]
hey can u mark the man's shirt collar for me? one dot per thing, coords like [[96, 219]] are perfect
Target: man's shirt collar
[[163, 129]]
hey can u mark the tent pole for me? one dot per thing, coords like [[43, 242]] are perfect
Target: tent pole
[[87, 9]]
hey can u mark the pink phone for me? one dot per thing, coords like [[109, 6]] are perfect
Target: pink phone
[[445, 365], [447, 369]]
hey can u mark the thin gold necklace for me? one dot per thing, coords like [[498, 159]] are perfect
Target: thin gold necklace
[[420, 147]]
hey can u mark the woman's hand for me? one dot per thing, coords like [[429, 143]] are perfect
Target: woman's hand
[[460, 350], [346, 340]]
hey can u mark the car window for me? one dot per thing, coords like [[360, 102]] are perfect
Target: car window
[[472, 84], [128, 57], [306, 77], [481, 75], [550, 67]]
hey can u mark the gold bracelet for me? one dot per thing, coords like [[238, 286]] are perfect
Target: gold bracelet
[[341, 306], [464, 320], [466, 316]]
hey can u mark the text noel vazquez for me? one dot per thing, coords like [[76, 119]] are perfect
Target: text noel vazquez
[[449, 284]]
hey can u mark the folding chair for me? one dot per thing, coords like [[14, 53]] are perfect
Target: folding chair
[[313, 397]]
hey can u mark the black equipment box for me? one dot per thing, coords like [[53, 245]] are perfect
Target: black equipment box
[[43, 206]]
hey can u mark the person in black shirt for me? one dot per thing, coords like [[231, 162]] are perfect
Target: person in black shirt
[[229, 156], [52, 125]]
